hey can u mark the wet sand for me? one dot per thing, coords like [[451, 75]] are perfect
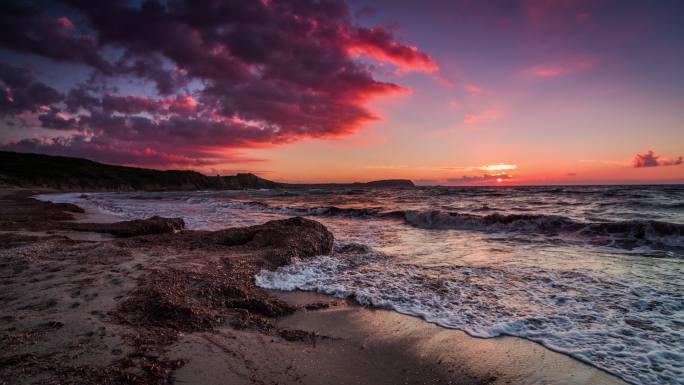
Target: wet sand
[[71, 313], [357, 345]]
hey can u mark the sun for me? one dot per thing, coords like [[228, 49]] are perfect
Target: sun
[[499, 180]]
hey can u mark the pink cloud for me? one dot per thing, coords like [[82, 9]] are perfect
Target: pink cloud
[[567, 67], [472, 89], [485, 116], [182, 105], [544, 71], [378, 43], [455, 104], [650, 159], [468, 118], [446, 82], [65, 22]]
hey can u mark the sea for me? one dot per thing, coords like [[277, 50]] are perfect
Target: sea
[[595, 272]]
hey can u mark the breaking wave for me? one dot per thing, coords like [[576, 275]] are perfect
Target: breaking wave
[[625, 234]]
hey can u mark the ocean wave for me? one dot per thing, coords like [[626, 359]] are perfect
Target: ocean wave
[[302, 211], [625, 234], [657, 205], [629, 234]]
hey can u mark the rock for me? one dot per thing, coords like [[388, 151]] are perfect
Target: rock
[[124, 229], [263, 306], [283, 239], [169, 299], [317, 306], [181, 300], [69, 207], [19, 211], [236, 237], [293, 335], [353, 248]]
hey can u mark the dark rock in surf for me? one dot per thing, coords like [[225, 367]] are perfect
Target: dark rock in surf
[[317, 306], [124, 229], [182, 300], [286, 239]]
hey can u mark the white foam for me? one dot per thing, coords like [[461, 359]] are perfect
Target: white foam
[[609, 323]]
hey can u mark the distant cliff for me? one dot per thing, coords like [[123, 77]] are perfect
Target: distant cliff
[[64, 173], [390, 183], [385, 183], [75, 174]]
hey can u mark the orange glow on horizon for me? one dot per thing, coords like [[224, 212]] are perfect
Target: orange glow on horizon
[[498, 167]]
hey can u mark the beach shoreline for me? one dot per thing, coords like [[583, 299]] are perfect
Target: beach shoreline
[[74, 311]]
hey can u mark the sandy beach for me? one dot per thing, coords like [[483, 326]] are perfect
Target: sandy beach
[[147, 302]]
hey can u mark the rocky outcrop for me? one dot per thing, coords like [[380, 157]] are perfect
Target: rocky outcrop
[[178, 299], [285, 239], [124, 229], [20, 212]]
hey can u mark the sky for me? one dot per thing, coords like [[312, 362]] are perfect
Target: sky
[[459, 92]]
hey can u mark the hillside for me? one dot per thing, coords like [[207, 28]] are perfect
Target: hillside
[[76, 174], [64, 173]]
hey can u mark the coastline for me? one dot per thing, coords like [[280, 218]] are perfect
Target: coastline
[[262, 337]]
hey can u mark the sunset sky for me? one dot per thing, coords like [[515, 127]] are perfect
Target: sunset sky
[[440, 92]]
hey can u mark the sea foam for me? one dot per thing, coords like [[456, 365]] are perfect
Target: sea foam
[[613, 324]]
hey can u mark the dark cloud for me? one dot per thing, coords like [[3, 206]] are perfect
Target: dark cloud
[[20, 92], [81, 97], [366, 12], [151, 67], [129, 104], [228, 73], [465, 179], [25, 28], [15, 77], [57, 120], [650, 159]]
